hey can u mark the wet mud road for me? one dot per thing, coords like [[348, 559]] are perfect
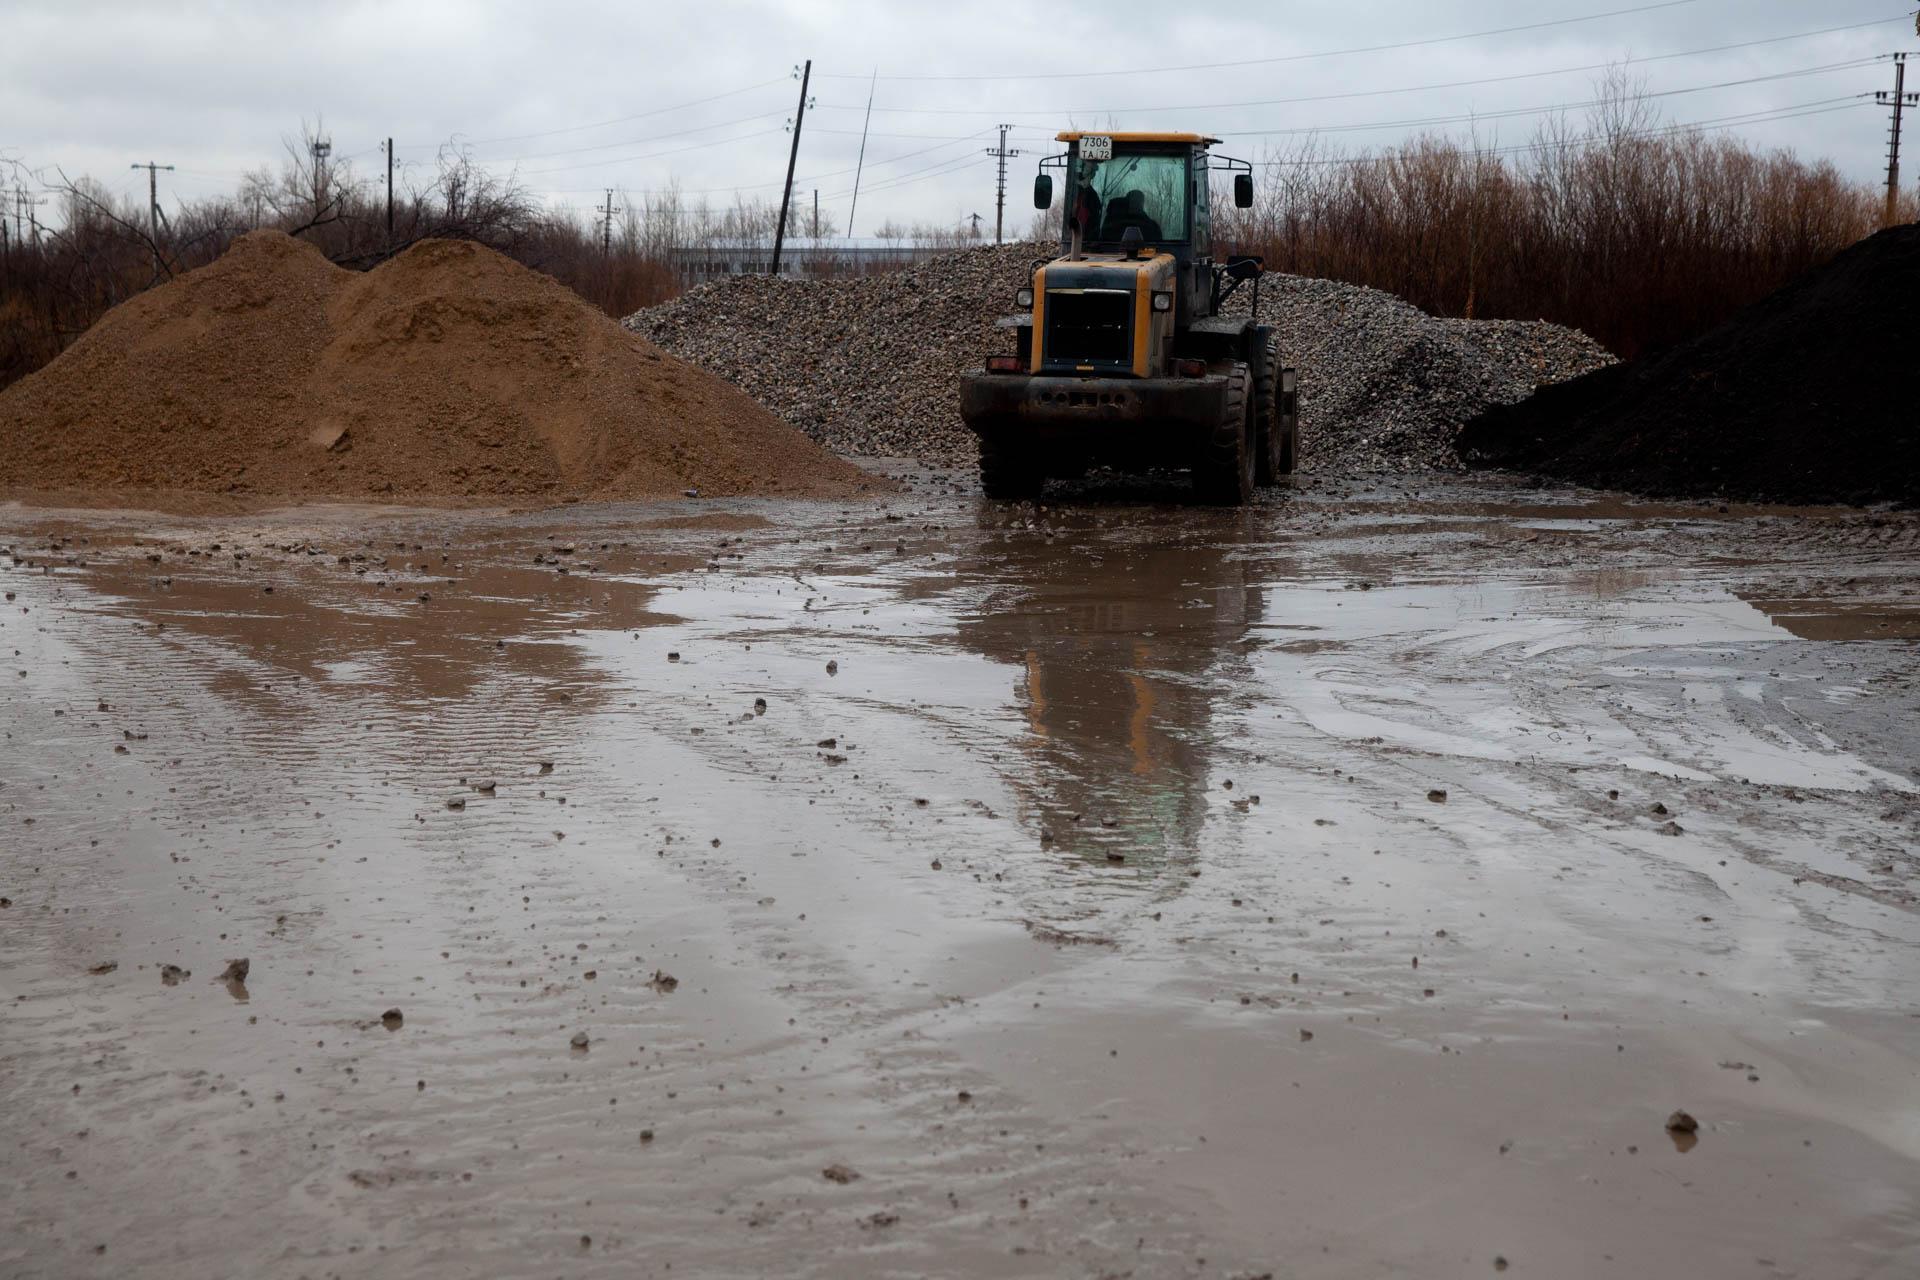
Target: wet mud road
[[1349, 887]]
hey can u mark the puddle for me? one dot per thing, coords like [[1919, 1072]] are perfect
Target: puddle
[[1075, 878]]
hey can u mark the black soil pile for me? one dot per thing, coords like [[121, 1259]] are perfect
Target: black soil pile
[[1810, 395]]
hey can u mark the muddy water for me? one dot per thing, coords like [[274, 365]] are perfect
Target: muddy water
[[1349, 887]]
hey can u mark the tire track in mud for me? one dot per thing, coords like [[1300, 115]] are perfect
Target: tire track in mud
[[907, 1087], [914, 1095], [314, 753], [518, 1146]]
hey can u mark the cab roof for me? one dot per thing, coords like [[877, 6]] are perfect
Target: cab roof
[[1192, 139]]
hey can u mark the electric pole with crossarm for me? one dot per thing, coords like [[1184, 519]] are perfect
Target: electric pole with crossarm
[[1899, 99], [1000, 185], [153, 204]]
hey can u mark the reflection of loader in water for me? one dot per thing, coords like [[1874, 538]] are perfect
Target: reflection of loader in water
[[1116, 657]]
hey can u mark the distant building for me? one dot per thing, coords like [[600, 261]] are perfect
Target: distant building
[[825, 257]]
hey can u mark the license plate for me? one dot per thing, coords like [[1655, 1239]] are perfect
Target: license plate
[[1096, 146]]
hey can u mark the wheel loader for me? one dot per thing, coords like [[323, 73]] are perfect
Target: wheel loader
[[1123, 355]]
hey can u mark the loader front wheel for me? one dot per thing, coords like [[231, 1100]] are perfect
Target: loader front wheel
[[1224, 472], [1009, 473]]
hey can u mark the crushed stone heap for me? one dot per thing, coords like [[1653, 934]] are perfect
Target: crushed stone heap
[[868, 365], [1812, 394], [448, 372]]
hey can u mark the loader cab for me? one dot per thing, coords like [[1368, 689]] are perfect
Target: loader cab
[[1150, 189], [1138, 194]]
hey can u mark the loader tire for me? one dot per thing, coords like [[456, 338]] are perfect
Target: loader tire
[[1223, 474], [1009, 473], [1289, 421], [1275, 400]]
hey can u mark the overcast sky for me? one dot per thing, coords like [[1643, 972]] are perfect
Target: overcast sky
[[576, 98]]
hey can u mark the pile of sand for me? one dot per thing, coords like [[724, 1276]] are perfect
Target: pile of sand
[[448, 372], [1811, 394]]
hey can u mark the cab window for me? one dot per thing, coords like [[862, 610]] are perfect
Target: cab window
[[1135, 189]]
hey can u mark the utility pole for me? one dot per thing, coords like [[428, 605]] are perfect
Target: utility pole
[[390, 192], [793, 154], [23, 207], [861, 163], [975, 219], [1000, 185], [606, 226], [321, 150], [816, 213], [1899, 99], [153, 204]]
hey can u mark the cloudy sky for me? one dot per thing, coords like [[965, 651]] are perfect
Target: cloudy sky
[[575, 98]]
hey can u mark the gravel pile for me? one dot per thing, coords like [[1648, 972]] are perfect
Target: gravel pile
[[1384, 386], [866, 366], [869, 366]]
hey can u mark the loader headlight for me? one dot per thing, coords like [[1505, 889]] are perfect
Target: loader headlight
[[1163, 301], [1023, 298]]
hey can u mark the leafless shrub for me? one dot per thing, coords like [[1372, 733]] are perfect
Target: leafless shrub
[[1638, 234]]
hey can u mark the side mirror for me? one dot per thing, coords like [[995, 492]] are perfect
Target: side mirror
[[1043, 191], [1243, 191], [1244, 266]]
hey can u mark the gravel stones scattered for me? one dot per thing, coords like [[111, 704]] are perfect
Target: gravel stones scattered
[[868, 366]]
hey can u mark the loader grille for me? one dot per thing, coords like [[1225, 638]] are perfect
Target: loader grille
[[1090, 327]]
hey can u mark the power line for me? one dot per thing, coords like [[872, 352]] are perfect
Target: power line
[[1817, 107], [812, 177], [1058, 112], [1508, 113], [1444, 84], [1300, 57], [657, 137], [653, 155], [941, 170], [601, 124], [634, 142]]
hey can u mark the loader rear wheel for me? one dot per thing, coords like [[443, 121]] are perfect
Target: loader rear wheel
[[1224, 472], [1274, 398], [1289, 421], [1009, 473]]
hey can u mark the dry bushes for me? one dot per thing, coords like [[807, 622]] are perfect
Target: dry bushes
[[1640, 235], [1641, 238]]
